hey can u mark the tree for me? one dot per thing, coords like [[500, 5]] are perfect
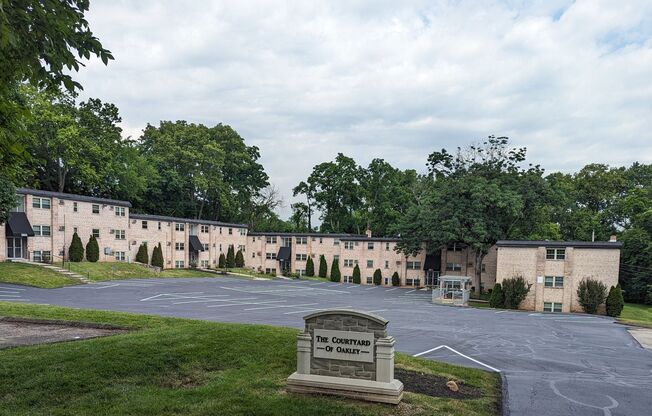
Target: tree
[[221, 263], [335, 271], [305, 210], [8, 199], [299, 218], [615, 301], [157, 256], [591, 294], [356, 274], [76, 249], [378, 277], [396, 280], [514, 291], [322, 266], [310, 267], [239, 259], [497, 300], [142, 256], [92, 250], [230, 258]]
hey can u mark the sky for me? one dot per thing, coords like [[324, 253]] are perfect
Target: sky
[[397, 80]]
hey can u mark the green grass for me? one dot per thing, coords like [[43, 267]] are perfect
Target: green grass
[[118, 270], [636, 314], [174, 366], [248, 272], [476, 304], [30, 275]]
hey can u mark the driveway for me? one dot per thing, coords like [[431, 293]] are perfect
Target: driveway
[[552, 364]]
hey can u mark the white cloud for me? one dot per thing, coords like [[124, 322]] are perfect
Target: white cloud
[[303, 81]]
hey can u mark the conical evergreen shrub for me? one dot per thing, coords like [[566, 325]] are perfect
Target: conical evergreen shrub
[[221, 263], [378, 277], [497, 299], [92, 249], [335, 271], [396, 281], [322, 266], [76, 249], [615, 301], [157, 256], [142, 256], [239, 259], [230, 258], [310, 267], [356, 274]]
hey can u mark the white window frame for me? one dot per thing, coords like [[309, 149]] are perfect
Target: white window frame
[[120, 235], [93, 207], [41, 202], [554, 307], [555, 253], [179, 246], [179, 226], [120, 211]]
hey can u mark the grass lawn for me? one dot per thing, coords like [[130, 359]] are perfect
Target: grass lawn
[[172, 366], [476, 304], [248, 272], [30, 275], [637, 315], [105, 271]]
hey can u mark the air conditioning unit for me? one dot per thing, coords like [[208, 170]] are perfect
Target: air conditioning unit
[[112, 231], [398, 262], [133, 242], [110, 208], [133, 221], [259, 253], [213, 245], [169, 261], [108, 251], [314, 239], [62, 228], [61, 202], [169, 243]]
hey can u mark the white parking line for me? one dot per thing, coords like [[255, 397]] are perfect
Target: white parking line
[[237, 303], [458, 353], [204, 300], [10, 288], [369, 288], [501, 311], [281, 306], [218, 300], [9, 296], [174, 295], [9, 291], [410, 291], [313, 309], [389, 290]]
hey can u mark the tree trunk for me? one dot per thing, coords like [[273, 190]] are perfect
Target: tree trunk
[[479, 256]]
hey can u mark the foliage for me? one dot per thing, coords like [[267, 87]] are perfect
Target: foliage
[[8, 199], [356, 274], [239, 259], [323, 272], [92, 250], [221, 262], [514, 291], [378, 277], [648, 295], [335, 271], [396, 280], [591, 294], [230, 258], [76, 249], [157, 256], [615, 302], [497, 300], [310, 267], [142, 256]]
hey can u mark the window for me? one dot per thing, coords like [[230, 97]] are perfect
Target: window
[[387, 264], [301, 272], [95, 208], [144, 225], [119, 255], [270, 240], [386, 246], [120, 234], [42, 230], [204, 264], [230, 231], [348, 262], [96, 232], [159, 225], [179, 264], [370, 246], [336, 258], [178, 226], [243, 231], [336, 242], [555, 253], [302, 240], [414, 265], [370, 264], [205, 246], [321, 240], [120, 211], [43, 203], [370, 280], [270, 271], [203, 229], [348, 279], [483, 268], [455, 247], [241, 248], [179, 246], [286, 241], [301, 257], [74, 207], [42, 256], [270, 256], [551, 307], [554, 281], [253, 254], [348, 245], [456, 267]]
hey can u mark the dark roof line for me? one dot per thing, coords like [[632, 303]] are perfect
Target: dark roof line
[[73, 197], [188, 220], [562, 244], [365, 238], [327, 235]]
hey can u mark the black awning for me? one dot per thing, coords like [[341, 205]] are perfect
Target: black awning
[[18, 225], [284, 254], [433, 262], [195, 244]]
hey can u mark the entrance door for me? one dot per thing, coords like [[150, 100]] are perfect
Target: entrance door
[[432, 278], [14, 247]]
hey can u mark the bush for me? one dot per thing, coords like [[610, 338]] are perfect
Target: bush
[[378, 277], [591, 294], [230, 258], [310, 267], [157, 256], [396, 281], [221, 263], [497, 300], [615, 301], [92, 250], [239, 259], [335, 271], [514, 291], [648, 295], [76, 250], [142, 256], [356, 274], [322, 266]]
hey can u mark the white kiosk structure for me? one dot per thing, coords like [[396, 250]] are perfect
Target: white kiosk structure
[[452, 290]]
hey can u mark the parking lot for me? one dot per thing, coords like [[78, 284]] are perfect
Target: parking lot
[[552, 364]]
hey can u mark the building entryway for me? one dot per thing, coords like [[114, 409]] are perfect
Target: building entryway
[[16, 247]]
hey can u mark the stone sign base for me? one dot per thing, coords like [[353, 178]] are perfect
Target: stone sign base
[[374, 391]]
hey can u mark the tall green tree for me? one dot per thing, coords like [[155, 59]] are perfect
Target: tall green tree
[[142, 256], [378, 277], [8, 199], [322, 266], [76, 249], [335, 271], [310, 267], [221, 263], [239, 259], [157, 256], [92, 250], [230, 258], [356, 274]]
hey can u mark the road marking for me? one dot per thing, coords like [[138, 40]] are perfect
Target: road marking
[[389, 290], [10, 288], [369, 288], [220, 300], [458, 353], [281, 306], [501, 311], [9, 291], [313, 309], [176, 295], [410, 291], [10, 296], [236, 303], [200, 300], [104, 287]]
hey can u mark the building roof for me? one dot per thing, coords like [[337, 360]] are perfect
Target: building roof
[[365, 238], [195, 244], [149, 217], [73, 197], [327, 235], [561, 244]]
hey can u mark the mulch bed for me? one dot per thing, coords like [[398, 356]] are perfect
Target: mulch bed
[[434, 386]]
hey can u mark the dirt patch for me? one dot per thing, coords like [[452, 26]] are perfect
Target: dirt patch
[[434, 386], [16, 332]]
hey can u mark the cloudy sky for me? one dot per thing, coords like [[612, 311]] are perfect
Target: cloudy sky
[[304, 80]]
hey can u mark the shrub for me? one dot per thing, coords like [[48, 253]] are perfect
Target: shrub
[[615, 301], [221, 263], [356, 274], [142, 256], [230, 258], [157, 256], [76, 250], [92, 250], [497, 300], [322, 266], [310, 267], [378, 277], [396, 281], [239, 259], [591, 294], [335, 271], [514, 291], [648, 295]]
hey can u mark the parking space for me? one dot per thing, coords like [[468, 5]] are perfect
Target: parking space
[[554, 363]]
